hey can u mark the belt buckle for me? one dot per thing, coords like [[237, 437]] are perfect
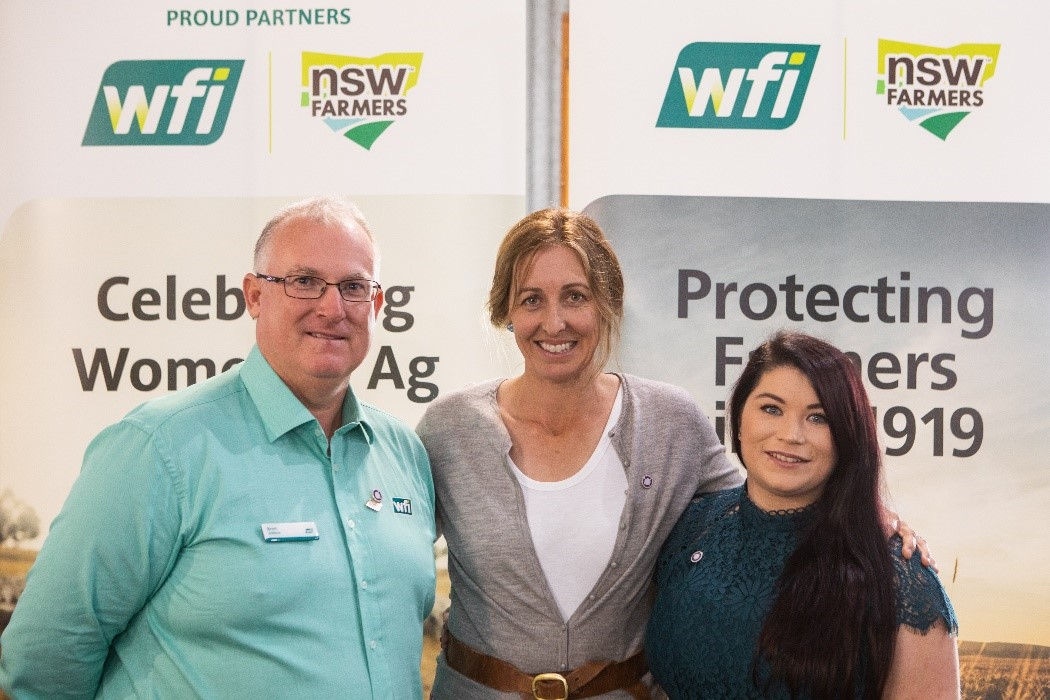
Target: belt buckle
[[550, 677]]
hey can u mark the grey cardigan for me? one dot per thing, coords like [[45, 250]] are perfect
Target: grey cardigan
[[501, 604]]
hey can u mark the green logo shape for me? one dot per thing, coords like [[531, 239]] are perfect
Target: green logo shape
[[163, 103], [717, 85], [366, 134]]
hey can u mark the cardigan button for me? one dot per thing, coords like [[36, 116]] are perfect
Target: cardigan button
[[696, 556]]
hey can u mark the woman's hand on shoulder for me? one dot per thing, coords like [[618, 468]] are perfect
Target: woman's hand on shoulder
[[912, 540]]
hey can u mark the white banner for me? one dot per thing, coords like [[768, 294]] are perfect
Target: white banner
[[842, 106], [148, 144]]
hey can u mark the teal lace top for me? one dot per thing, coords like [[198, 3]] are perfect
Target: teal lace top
[[716, 579]]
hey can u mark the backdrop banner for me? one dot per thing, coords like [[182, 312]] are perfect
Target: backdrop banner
[[933, 299], [148, 144], [875, 175]]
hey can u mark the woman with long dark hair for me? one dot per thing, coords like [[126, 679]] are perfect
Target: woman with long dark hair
[[788, 586]]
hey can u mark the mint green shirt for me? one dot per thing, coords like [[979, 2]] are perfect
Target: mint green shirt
[[156, 579]]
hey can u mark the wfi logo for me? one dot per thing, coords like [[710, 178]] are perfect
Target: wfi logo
[[163, 103], [935, 87], [737, 86], [359, 97]]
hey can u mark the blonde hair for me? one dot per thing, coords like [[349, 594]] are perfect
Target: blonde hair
[[580, 234]]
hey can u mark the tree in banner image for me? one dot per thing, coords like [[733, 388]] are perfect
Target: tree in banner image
[[18, 522]]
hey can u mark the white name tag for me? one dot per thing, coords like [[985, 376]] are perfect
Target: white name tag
[[289, 532]]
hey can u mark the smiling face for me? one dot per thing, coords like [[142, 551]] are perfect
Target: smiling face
[[556, 322], [785, 441], [313, 344]]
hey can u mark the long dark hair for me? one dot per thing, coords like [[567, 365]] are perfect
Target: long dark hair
[[833, 622]]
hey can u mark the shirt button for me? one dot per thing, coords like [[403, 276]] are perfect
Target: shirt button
[[351, 523], [364, 584], [373, 644], [612, 564]]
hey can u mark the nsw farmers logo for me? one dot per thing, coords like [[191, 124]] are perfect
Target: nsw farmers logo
[[356, 97], [163, 103], [737, 86], [935, 87]]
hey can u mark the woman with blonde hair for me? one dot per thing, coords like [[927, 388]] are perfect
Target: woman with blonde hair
[[556, 487]]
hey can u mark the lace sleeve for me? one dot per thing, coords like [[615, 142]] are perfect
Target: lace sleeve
[[921, 599]]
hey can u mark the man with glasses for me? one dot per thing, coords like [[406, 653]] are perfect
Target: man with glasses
[[259, 534]]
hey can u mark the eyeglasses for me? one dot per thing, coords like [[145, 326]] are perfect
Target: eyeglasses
[[307, 287]]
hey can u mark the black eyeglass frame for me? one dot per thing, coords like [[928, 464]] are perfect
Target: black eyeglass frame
[[374, 286]]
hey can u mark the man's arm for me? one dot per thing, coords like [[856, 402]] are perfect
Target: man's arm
[[110, 547]]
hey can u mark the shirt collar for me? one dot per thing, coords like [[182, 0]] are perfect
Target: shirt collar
[[280, 410]]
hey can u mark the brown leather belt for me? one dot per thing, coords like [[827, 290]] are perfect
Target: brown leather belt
[[593, 678]]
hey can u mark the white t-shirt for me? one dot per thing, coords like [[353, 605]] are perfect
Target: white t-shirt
[[574, 522]]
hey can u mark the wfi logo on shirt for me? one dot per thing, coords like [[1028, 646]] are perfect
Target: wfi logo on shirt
[[356, 97], [163, 103], [737, 86], [932, 86]]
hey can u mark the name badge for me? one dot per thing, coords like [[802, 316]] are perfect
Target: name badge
[[289, 532]]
